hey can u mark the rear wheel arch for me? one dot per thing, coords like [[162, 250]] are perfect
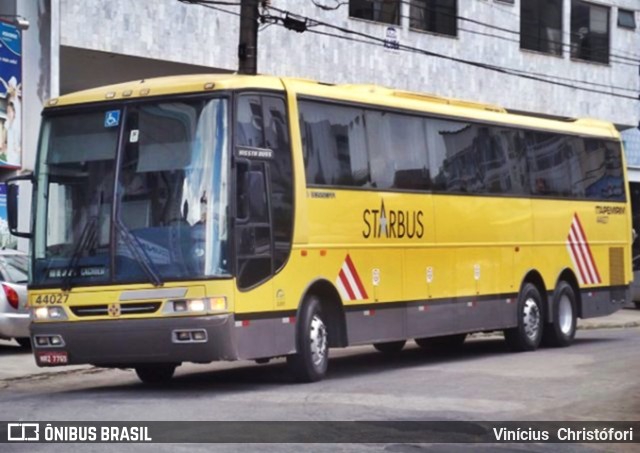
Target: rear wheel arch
[[534, 277]]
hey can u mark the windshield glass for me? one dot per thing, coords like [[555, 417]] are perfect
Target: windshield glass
[[164, 218]]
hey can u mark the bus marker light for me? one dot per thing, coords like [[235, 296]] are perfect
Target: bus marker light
[[303, 252], [323, 253], [110, 95], [422, 308], [218, 303], [180, 305], [144, 91], [55, 340], [369, 312], [209, 86], [243, 323], [42, 341], [289, 320]]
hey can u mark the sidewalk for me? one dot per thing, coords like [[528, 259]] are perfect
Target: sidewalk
[[16, 363]]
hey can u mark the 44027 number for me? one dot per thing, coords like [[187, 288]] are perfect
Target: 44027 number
[[49, 299]]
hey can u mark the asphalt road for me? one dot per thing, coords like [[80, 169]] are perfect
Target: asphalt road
[[595, 379]]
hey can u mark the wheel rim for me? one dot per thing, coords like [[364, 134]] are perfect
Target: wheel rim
[[318, 338], [531, 318], [565, 315]]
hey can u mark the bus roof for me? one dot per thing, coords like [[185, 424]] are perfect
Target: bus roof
[[356, 93]]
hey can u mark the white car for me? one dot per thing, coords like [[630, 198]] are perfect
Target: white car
[[14, 316]]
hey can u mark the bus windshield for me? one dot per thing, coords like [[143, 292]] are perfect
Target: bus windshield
[[135, 194]]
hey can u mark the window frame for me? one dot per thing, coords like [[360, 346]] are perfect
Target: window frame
[[428, 115], [589, 58], [413, 4], [539, 28], [629, 12]]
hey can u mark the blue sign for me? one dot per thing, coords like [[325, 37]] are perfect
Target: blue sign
[[112, 118], [10, 96]]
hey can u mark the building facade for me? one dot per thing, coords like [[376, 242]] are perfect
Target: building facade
[[566, 58]]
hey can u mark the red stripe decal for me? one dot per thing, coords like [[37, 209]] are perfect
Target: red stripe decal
[[347, 285], [356, 277], [593, 262]]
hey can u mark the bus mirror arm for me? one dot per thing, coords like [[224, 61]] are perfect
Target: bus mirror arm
[[12, 203]]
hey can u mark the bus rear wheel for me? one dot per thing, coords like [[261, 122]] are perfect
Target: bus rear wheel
[[526, 336], [155, 373], [390, 347], [562, 330], [310, 362], [444, 343]]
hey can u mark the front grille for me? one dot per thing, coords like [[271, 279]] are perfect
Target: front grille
[[141, 308]]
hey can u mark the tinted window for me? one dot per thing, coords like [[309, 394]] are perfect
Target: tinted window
[[418, 153], [386, 11], [334, 145], [403, 137], [541, 25], [262, 123], [438, 16], [589, 31]]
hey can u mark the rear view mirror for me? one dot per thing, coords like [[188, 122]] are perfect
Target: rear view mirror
[[13, 205]]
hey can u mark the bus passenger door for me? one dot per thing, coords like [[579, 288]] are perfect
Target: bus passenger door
[[254, 239]]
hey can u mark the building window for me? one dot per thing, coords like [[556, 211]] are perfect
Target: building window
[[626, 19], [589, 31], [438, 16], [541, 26], [385, 11]]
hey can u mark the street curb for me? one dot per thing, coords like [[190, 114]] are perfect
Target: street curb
[[625, 325]]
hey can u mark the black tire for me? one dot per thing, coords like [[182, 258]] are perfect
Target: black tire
[[390, 347], [527, 335], [156, 373], [444, 343], [310, 362], [561, 331], [24, 343]]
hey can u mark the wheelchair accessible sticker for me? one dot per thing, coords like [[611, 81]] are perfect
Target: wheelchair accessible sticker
[[112, 118]]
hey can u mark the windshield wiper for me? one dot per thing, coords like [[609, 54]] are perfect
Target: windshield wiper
[[87, 240], [139, 254]]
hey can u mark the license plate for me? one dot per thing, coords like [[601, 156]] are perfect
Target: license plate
[[52, 358]]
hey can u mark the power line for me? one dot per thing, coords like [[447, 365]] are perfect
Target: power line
[[373, 40], [314, 22]]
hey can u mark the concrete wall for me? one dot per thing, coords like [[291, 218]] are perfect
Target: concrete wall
[[168, 29]]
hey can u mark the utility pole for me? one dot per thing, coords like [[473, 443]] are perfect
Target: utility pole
[[248, 43]]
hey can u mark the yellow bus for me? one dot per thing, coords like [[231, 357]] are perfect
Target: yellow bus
[[225, 217]]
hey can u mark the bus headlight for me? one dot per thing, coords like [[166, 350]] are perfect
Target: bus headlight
[[48, 313], [195, 306]]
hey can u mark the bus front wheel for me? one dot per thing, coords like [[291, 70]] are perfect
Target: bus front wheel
[[155, 373], [526, 336], [310, 362]]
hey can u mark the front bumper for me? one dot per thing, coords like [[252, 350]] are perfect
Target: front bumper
[[133, 341], [14, 325]]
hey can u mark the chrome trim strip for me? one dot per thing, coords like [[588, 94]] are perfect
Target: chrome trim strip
[[165, 293]]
